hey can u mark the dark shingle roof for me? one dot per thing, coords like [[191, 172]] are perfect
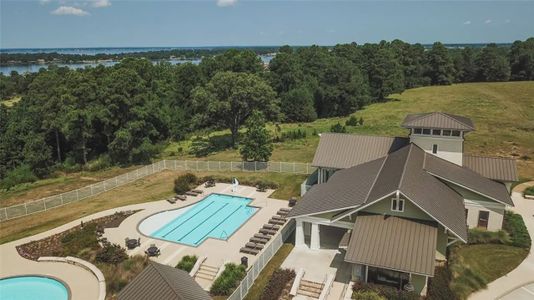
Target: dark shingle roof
[[340, 151], [496, 168], [438, 120], [158, 281], [393, 243]]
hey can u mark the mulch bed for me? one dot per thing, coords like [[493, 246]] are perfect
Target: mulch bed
[[52, 245]]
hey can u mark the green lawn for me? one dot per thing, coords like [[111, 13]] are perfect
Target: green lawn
[[503, 114], [259, 284], [474, 266]]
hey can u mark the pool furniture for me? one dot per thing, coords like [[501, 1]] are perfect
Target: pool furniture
[[258, 240], [152, 251], [262, 236], [279, 218], [292, 201], [132, 243], [271, 227], [209, 183], [171, 200], [249, 250], [190, 193], [268, 231], [181, 197], [198, 192], [253, 245], [276, 222]]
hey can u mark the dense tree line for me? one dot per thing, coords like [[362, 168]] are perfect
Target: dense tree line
[[120, 114]]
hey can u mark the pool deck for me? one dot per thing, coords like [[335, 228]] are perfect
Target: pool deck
[[84, 285], [216, 251]]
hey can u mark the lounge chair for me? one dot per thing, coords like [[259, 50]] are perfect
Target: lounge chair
[[171, 200], [271, 227], [276, 222], [209, 183], [282, 213], [262, 236], [181, 197], [268, 231], [249, 250], [285, 209], [279, 218], [197, 191], [253, 245], [190, 193], [258, 240]]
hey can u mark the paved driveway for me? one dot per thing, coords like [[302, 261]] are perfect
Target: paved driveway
[[525, 292]]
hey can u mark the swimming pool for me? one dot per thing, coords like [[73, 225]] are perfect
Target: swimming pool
[[32, 287], [216, 216]]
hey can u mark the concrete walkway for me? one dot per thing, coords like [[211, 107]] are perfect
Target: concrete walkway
[[524, 273]]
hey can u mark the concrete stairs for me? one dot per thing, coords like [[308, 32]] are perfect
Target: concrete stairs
[[207, 272], [310, 289]]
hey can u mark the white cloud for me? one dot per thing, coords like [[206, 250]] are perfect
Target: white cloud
[[69, 10], [225, 3], [487, 21], [100, 3], [467, 22]]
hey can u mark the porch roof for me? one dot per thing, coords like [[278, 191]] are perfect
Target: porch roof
[[393, 243]]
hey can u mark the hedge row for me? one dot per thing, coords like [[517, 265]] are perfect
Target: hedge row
[[515, 226], [187, 263], [277, 283], [229, 279]]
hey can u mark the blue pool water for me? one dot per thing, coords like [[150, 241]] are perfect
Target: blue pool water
[[216, 216], [32, 287]]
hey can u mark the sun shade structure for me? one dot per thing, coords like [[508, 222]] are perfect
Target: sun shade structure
[[394, 243], [340, 151], [438, 120], [496, 168], [159, 281]]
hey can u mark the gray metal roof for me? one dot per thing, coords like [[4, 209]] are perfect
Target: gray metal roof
[[496, 168], [467, 178], [159, 281], [340, 151], [393, 243], [438, 120]]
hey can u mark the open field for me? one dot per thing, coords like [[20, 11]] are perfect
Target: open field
[[503, 114], [57, 185], [151, 188]]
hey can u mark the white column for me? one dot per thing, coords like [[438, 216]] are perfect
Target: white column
[[299, 234], [315, 242]]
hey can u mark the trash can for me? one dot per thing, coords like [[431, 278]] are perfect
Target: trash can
[[244, 261], [292, 201]]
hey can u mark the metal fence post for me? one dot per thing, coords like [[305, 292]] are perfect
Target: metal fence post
[[255, 166], [26, 208], [280, 169], [77, 195]]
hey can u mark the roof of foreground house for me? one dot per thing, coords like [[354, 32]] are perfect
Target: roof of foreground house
[[393, 243], [159, 281], [421, 177], [496, 168], [438, 120], [340, 151]]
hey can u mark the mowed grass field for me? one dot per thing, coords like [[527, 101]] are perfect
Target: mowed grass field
[[503, 114], [151, 188]]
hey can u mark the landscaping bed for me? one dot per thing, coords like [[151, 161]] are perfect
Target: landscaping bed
[[84, 241]]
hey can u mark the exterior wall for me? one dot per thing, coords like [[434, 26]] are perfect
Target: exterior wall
[[449, 148], [410, 210], [474, 203], [441, 244], [324, 174]]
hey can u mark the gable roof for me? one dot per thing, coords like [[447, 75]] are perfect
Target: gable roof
[[496, 168], [393, 243], [438, 120], [159, 281], [340, 151], [402, 171]]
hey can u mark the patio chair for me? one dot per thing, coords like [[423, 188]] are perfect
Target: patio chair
[[153, 250], [198, 192], [249, 251], [190, 193], [171, 200], [268, 231], [285, 209], [271, 227], [181, 197]]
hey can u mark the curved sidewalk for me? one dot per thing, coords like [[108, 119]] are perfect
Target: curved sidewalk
[[524, 273]]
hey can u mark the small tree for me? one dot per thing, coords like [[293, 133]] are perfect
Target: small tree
[[257, 144]]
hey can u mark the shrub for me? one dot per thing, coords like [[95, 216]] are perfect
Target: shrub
[[361, 121], [20, 174], [352, 121], [439, 285], [277, 283], [515, 226], [293, 135], [367, 295], [76, 241], [184, 183], [102, 162], [481, 236], [229, 279], [529, 191], [111, 254], [338, 128], [187, 263]]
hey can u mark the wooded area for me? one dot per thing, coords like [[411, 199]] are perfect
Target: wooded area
[[96, 117]]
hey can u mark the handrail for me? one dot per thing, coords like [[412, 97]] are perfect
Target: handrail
[[327, 286], [296, 283]]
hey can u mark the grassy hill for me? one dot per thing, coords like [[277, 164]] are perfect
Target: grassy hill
[[503, 114]]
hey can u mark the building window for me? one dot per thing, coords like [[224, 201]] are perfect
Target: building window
[[436, 132], [455, 133], [397, 205], [446, 133], [435, 148], [426, 131], [483, 217], [417, 130]]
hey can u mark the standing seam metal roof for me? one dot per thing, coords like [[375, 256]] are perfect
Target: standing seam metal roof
[[438, 120], [496, 168]]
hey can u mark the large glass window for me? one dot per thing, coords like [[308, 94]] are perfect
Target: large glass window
[[455, 133], [417, 130], [483, 218], [436, 131], [397, 205], [387, 277], [446, 133], [426, 131]]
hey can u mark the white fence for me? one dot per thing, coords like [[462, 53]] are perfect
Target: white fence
[[264, 258], [44, 204]]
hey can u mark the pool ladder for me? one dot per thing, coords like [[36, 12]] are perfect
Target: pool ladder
[[224, 234]]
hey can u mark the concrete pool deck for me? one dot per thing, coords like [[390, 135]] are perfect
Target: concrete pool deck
[[84, 285]]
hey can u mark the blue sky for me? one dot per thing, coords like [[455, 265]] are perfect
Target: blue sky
[[138, 23]]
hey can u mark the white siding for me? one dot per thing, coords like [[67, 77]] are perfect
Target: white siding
[[449, 148], [496, 213]]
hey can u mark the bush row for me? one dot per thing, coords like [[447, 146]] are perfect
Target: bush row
[[187, 263], [277, 283], [229, 279], [515, 226]]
